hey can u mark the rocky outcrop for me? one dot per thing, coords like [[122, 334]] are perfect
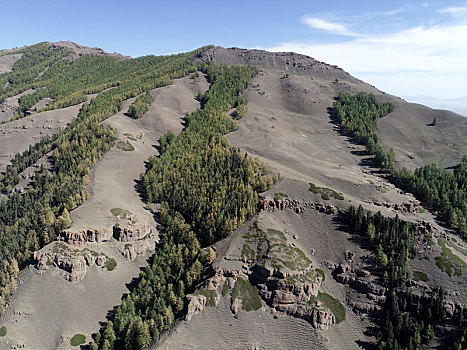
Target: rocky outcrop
[[368, 308], [80, 238], [283, 296], [196, 304], [299, 207], [288, 61], [319, 317], [73, 265], [293, 299], [131, 232]]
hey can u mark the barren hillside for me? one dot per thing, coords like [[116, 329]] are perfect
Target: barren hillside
[[294, 275]]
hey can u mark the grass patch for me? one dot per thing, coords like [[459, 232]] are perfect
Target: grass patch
[[125, 146], [78, 339], [308, 277], [421, 210], [49, 263], [209, 294], [248, 253], [382, 189], [120, 212], [428, 239], [331, 303], [420, 276], [321, 273], [448, 261], [110, 263], [461, 250], [326, 193], [248, 293], [3, 331], [129, 136], [225, 289], [280, 195], [128, 245]]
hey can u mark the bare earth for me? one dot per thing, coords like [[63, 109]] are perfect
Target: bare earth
[[60, 309]]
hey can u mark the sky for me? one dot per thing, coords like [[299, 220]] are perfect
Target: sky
[[406, 48]]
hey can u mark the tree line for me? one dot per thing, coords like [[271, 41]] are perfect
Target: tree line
[[140, 106], [409, 321], [32, 219], [207, 188], [443, 190]]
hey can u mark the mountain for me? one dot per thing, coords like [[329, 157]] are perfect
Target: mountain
[[201, 200]]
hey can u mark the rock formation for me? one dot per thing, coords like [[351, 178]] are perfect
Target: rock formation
[[80, 238], [131, 232]]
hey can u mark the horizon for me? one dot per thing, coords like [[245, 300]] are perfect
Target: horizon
[[407, 49]]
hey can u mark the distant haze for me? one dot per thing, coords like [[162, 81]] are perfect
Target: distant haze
[[458, 105]]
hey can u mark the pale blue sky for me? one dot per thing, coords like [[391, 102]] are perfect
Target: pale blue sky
[[406, 48]]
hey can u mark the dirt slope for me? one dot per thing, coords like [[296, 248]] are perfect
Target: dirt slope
[[288, 126], [53, 309], [406, 129]]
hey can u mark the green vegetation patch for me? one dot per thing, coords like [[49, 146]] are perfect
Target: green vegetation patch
[[120, 212], [326, 193], [110, 263], [248, 294], [78, 339], [280, 254], [448, 261], [420, 276], [331, 303], [209, 294], [280, 195], [428, 239], [382, 189], [461, 250], [283, 255], [321, 273], [225, 289], [125, 146], [307, 277], [129, 136], [3, 331]]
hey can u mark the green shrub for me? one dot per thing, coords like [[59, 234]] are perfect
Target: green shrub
[[110, 264], [78, 339], [125, 146], [420, 276]]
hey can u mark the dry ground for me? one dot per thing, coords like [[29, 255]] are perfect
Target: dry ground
[[288, 126], [60, 309]]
